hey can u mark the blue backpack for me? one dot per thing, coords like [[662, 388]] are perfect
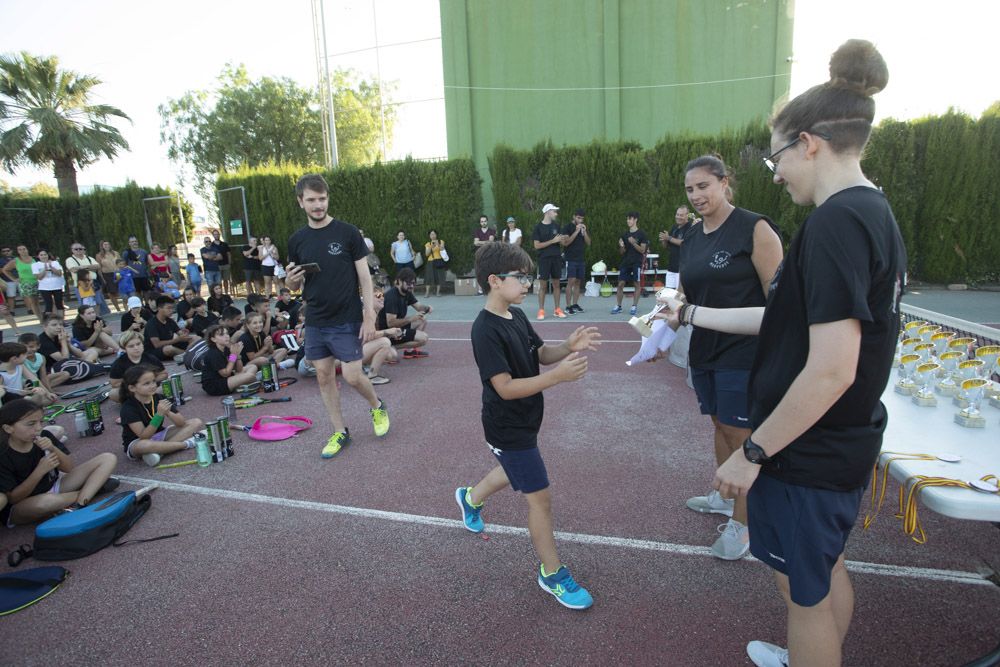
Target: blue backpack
[[89, 529]]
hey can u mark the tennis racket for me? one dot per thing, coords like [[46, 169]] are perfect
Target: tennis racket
[[57, 409], [77, 393], [253, 401]]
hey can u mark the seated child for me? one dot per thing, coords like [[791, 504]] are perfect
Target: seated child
[[31, 460], [168, 286], [85, 286], [258, 346], [17, 380], [233, 319], [35, 363], [133, 319], [135, 353], [202, 319], [224, 369], [143, 412]]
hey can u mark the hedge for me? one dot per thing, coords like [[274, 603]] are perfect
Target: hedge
[[113, 215], [939, 173], [381, 199]]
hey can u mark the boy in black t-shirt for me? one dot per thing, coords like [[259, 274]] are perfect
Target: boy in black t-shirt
[[633, 245], [575, 242], [398, 300], [164, 338], [508, 353], [201, 319]]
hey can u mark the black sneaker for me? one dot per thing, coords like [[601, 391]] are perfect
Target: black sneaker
[[577, 308], [110, 485]]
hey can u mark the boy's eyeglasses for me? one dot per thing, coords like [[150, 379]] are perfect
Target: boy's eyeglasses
[[522, 278], [770, 161]]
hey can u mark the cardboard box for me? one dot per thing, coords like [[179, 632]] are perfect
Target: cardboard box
[[465, 287]]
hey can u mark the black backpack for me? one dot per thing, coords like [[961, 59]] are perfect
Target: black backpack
[[194, 357], [89, 529]]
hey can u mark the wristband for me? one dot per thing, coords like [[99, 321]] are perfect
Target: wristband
[[232, 358], [156, 421]]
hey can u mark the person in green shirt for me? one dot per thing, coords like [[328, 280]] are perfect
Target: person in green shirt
[[20, 271]]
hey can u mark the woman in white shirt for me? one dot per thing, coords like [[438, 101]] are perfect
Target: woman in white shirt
[[402, 252], [512, 234], [50, 282], [268, 261]]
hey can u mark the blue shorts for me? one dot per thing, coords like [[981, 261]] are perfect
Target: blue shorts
[[575, 270], [800, 532], [213, 278], [723, 394], [524, 468], [340, 342], [628, 274]]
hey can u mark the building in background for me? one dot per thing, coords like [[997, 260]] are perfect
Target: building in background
[[519, 72]]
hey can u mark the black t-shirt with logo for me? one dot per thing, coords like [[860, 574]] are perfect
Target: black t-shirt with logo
[[162, 331], [717, 271], [544, 233], [123, 363], [332, 294], [574, 252], [633, 257], [846, 262], [508, 346]]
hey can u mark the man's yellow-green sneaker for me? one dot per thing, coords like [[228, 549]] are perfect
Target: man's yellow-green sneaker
[[380, 419], [336, 442]]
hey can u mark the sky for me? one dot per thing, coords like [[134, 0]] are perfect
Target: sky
[[939, 55]]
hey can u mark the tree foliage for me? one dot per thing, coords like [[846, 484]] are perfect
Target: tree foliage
[[47, 119], [252, 123]]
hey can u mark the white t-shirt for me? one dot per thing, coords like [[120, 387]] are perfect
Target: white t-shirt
[[265, 254], [49, 281], [13, 381], [514, 235]]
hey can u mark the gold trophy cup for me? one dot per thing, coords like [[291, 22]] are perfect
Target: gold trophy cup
[[643, 325], [906, 385], [967, 370], [949, 361], [925, 374], [941, 340], [989, 354], [925, 332], [925, 350], [970, 417]]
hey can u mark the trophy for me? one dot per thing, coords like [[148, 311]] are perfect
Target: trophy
[[643, 325], [906, 347], [925, 332], [911, 327], [961, 345], [989, 354], [940, 341], [967, 370], [949, 361], [906, 385], [925, 350], [970, 416], [924, 396]]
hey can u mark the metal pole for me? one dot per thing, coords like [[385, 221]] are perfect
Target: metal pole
[[321, 88], [334, 160], [378, 74], [180, 212]]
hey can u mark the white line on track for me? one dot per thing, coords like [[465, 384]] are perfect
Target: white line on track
[[861, 567], [435, 339]]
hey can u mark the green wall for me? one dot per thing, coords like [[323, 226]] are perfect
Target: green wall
[[618, 58]]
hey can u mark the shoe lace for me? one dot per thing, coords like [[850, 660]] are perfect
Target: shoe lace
[[379, 415], [729, 529]]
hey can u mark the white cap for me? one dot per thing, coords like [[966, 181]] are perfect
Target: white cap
[[549, 207], [134, 302]]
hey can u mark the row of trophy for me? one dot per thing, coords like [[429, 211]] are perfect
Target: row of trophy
[[933, 362]]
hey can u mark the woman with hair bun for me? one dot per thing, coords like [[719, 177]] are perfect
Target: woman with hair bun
[[827, 338]]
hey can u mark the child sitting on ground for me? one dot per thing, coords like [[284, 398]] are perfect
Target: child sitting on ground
[[85, 287], [35, 363], [135, 353], [258, 346], [168, 286], [143, 412], [133, 319], [224, 370], [202, 319], [17, 380], [31, 460], [508, 353]]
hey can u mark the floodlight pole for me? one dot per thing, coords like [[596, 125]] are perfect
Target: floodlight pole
[[326, 88]]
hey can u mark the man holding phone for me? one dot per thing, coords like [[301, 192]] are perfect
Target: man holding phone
[[329, 257]]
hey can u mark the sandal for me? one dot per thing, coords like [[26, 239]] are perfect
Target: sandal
[[378, 379]]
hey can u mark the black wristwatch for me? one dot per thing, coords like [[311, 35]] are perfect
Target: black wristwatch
[[754, 452]]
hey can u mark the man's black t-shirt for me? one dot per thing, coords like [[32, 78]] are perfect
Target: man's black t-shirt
[[544, 233], [48, 347], [396, 303], [508, 346], [574, 252], [251, 262], [633, 257], [201, 322], [674, 257], [213, 383], [133, 411], [162, 331], [222, 248], [717, 271], [846, 262], [123, 363], [332, 294]]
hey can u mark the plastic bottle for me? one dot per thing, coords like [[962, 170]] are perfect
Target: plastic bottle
[[80, 421], [201, 450]]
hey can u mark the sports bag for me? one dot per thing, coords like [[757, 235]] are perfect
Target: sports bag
[[194, 356], [89, 529], [23, 589]]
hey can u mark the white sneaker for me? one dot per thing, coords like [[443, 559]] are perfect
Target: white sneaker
[[763, 654], [152, 460], [733, 543], [712, 503], [286, 364]]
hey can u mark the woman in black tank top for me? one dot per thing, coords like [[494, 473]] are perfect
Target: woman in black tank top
[[727, 261]]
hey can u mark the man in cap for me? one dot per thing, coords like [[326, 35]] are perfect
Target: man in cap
[[548, 240]]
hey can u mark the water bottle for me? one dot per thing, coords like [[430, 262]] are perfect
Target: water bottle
[[229, 407], [80, 421], [201, 450]]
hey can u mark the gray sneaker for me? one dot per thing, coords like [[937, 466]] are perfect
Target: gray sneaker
[[733, 543], [151, 459], [763, 654], [712, 503]]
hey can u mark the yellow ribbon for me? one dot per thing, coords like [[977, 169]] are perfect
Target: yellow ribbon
[[880, 492]]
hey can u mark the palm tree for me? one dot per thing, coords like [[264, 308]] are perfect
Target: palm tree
[[46, 118]]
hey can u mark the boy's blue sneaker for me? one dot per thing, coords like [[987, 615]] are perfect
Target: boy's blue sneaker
[[470, 514], [567, 592], [616, 310]]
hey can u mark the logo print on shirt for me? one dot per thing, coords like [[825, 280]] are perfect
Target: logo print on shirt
[[335, 249], [720, 260]]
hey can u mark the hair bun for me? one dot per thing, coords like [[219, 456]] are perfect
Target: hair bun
[[859, 67]]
